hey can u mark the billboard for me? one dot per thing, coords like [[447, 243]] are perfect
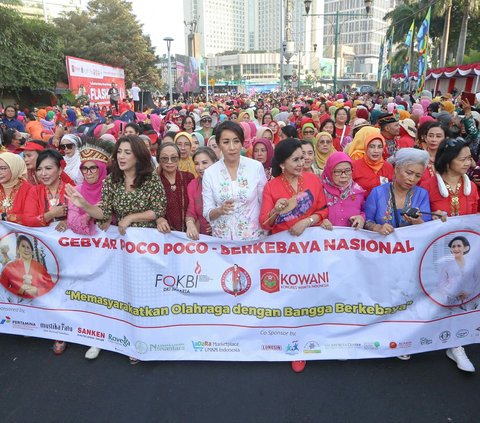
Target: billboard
[[187, 74], [94, 79]]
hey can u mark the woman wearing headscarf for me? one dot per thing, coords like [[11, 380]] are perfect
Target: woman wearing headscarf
[[275, 128], [14, 187], [372, 170], [248, 138], [71, 118], [265, 133], [356, 149], [345, 198], [197, 141], [323, 147], [184, 142], [69, 146], [94, 156], [263, 153]]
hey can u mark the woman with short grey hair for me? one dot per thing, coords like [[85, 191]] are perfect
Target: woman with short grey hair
[[401, 202], [387, 204]]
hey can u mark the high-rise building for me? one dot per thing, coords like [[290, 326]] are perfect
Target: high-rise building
[[242, 25], [223, 24], [363, 34]]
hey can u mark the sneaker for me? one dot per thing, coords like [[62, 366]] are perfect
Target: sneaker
[[458, 355], [92, 353], [59, 347], [404, 357], [298, 366]]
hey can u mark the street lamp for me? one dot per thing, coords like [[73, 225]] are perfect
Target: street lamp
[[170, 88], [337, 14]]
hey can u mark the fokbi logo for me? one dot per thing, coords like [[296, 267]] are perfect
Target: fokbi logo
[[5, 320]]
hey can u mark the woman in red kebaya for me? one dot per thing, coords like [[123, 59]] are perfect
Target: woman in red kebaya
[[14, 188], [294, 200], [47, 202], [31, 150], [342, 128], [372, 170]]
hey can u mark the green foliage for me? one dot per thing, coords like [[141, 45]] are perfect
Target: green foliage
[[472, 57], [109, 33], [31, 52], [401, 18], [67, 97]]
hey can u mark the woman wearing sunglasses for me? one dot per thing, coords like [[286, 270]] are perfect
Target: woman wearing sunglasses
[[69, 148], [175, 184], [94, 157], [206, 124]]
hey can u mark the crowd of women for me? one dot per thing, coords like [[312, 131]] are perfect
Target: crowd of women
[[241, 168]]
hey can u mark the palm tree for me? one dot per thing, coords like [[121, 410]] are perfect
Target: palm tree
[[470, 7]]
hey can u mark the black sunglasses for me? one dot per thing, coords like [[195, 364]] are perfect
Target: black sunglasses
[[66, 146]]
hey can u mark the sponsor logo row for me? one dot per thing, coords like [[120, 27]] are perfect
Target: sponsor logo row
[[236, 281]]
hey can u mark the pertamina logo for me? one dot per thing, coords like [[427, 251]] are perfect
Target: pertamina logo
[[5, 320], [271, 280], [182, 283]]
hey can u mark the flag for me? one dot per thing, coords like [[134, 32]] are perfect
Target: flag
[[388, 66], [408, 39], [422, 44], [380, 64], [408, 44]]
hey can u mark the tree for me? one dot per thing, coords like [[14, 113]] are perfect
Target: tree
[[469, 7], [110, 33], [31, 52], [445, 39]]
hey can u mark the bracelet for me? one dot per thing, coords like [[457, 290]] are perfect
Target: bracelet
[[310, 221]]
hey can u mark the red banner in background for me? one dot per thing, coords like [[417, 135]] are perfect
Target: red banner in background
[[94, 79]]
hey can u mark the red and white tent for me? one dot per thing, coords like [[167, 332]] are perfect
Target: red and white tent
[[463, 77]]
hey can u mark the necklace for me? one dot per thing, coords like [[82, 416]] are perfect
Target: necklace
[[7, 200], [455, 200], [53, 199], [289, 187]]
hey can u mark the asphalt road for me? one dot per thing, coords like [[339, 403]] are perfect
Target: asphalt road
[[37, 386]]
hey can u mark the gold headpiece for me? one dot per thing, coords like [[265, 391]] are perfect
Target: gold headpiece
[[95, 149]]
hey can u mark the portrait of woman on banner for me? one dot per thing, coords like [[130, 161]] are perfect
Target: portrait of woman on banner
[[25, 276], [460, 277]]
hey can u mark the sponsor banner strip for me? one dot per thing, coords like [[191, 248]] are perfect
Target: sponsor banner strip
[[324, 295]]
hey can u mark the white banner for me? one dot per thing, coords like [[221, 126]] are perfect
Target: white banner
[[324, 295]]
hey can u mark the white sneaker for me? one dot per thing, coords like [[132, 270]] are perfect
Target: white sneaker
[[92, 353], [458, 355], [403, 357]]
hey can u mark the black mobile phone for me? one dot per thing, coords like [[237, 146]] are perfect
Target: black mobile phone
[[411, 212]]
